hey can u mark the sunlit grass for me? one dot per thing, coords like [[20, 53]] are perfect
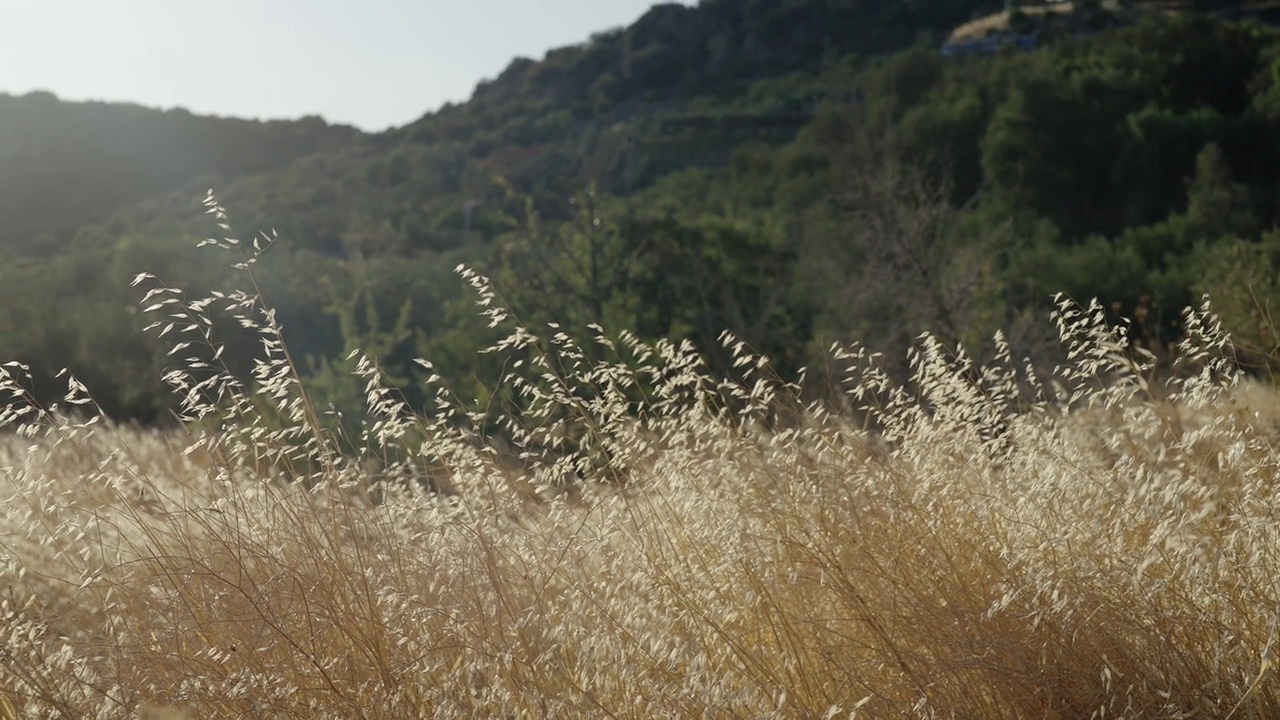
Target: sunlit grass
[[651, 541]]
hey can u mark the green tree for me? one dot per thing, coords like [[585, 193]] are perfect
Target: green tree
[[1217, 205]]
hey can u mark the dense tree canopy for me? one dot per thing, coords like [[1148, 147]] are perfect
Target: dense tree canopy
[[795, 172]]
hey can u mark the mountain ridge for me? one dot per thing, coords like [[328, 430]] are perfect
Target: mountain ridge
[[798, 173]]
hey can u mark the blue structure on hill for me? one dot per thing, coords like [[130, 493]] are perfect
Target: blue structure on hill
[[990, 45]]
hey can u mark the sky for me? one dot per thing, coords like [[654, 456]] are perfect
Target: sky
[[369, 63]]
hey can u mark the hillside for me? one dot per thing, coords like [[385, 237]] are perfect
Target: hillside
[[65, 164], [796, 173], [583, 116], [70, 164]]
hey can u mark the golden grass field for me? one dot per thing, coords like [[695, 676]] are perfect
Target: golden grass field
[[981, 543]]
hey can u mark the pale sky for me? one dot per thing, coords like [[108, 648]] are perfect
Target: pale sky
[[369, 63]]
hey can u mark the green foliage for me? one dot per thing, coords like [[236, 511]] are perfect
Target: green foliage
[[1216, 204], [1241, 277], [795, 173], [63, 165]]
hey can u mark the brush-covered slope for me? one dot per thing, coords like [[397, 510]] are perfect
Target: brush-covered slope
[[66, 164], [792, 172]]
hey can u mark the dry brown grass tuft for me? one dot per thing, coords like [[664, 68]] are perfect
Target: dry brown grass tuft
[[999, 22], [1005, 545]]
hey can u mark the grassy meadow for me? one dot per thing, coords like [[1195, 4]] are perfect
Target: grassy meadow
[[617, 533]]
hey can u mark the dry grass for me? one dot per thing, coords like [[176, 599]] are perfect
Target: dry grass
[[999, 22], [1004, 546]]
